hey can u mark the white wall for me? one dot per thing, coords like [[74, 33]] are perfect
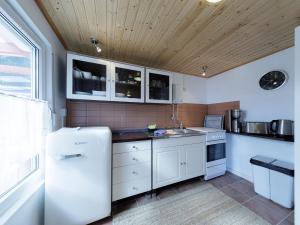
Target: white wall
[[297, 126], [241, 148], [242, 84], [189, 89]]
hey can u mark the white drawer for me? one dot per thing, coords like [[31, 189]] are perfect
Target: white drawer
[[131, 158], [131, 188], [131, 146], [130, 173], [168, 142]]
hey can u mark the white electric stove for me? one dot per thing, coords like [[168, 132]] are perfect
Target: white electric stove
[[215, 151]]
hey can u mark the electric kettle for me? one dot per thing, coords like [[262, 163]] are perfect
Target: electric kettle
[[282, 127]]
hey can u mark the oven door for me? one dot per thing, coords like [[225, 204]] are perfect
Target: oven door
[[216, 151]]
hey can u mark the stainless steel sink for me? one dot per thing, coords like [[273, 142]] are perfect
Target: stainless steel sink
[[182, 133], [187, 131]]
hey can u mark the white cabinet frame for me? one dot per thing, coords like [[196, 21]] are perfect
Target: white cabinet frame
[[113, 80], [70, 94], [160, 72]]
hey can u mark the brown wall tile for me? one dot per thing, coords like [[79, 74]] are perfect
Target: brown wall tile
[[129, 115], [220, 108]]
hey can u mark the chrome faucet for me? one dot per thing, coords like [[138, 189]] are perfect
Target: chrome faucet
[[175, 117]]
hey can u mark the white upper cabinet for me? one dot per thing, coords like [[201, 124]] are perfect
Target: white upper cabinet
[[88, 78], [178, 88], [127, 83], [158, 86]]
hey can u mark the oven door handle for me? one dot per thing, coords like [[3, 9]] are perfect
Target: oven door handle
[[216, 142]]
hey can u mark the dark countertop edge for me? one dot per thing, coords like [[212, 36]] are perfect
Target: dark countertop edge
[[129, 139], [267, 136], [127, 135]]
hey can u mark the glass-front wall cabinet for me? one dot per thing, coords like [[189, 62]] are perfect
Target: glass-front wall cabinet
[[127, 83], [88, 78], [91, 78], [158, 86]]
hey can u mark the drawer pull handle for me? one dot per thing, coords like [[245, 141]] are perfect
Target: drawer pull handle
[[134, 159], [134, 188], [133, 172], [134, 147]]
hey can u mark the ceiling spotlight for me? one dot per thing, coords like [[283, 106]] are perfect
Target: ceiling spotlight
[[96, 44], [98, 49], [213, 1], [204, 69]]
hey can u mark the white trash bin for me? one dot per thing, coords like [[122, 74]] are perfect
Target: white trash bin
[[282, 183], [261, 175]]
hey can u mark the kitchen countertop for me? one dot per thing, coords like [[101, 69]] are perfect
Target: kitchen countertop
[[130, 136], [289, 138], [142, 134]]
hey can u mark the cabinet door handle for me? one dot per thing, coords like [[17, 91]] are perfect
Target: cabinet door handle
[[134, 159], [134, 147], [133, 172], [182, 163]]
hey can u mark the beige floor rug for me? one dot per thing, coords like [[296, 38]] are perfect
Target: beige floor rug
[[203, 205]]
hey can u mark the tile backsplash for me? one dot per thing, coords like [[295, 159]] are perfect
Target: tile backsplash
[[132, 116], [220, 108]]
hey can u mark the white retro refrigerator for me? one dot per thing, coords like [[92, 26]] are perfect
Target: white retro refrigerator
[[78, 176]]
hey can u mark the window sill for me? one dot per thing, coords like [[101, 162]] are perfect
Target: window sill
[[17, 197]]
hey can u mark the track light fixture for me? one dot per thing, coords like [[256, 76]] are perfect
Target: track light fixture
[[204, 69], [96, 44]]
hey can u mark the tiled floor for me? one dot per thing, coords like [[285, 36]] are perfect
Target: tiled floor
[[237, 188]]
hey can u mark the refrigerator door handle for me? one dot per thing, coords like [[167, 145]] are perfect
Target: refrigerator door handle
[[71, 156]]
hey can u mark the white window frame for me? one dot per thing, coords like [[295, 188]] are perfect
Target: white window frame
[[11, 26], [16, 197], [25, 29]]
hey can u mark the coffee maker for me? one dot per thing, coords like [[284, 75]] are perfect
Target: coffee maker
[[233, 119]]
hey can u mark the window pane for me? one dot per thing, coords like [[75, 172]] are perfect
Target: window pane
[[19, 117], [17, 62]]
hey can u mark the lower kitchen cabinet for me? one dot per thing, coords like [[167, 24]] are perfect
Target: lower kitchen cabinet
[[166, 166], [194, 160], [173, 160], [179, 160], [130, 188], [131, 169]]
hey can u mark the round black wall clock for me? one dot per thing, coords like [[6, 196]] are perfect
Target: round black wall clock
[[273, 80]]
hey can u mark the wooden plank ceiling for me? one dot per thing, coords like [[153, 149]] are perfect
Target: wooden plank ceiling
[[177, 35]]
